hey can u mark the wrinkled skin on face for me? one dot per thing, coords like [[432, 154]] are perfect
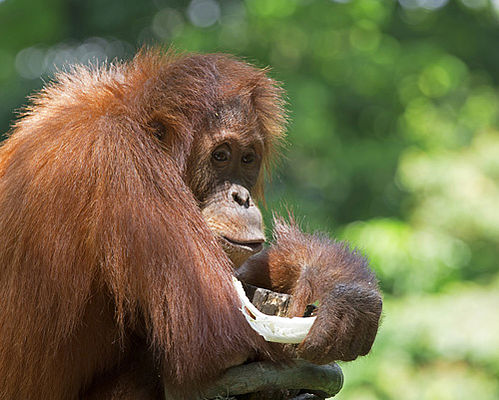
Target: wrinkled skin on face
[[224, 172], [236, 221]]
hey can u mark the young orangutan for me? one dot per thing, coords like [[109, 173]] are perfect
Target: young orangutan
[[120, 188]]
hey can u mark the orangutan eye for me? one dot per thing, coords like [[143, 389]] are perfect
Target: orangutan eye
[[248, 158], [221, 154]]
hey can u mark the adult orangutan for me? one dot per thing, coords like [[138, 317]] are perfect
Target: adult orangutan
[[120, 188]]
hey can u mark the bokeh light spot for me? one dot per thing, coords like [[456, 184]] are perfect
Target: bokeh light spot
[[476, 4], [30, 62], [167, 23], [272, 8], [426, 4], [434, 81], [365, 36], [203, 13]]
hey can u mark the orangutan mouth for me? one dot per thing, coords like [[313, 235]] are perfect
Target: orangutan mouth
[[255, 246]]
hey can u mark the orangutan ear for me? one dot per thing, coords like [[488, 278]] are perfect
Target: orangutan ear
[[171, 139]]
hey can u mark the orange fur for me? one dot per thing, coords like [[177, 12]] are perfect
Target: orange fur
[[102, 236], [315, 268]]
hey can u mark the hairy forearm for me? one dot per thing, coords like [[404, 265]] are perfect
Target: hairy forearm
[[314, 268], [297, 259]]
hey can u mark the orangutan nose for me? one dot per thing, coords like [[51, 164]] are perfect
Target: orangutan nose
[[241, 195]]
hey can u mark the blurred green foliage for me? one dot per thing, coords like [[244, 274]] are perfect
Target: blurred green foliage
[[393, 145]]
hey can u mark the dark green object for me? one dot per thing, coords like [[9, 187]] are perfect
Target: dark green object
[[259, 376]]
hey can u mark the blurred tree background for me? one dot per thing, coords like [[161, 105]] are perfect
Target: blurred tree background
[[393, 145]]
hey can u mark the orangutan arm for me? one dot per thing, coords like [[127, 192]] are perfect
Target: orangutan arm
[[314, 268]]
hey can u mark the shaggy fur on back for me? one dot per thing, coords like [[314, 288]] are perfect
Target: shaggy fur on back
[[101, 233]]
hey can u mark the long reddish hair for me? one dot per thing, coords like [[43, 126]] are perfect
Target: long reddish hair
[[101, 234]]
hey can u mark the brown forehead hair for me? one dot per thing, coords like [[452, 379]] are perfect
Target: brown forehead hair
[[190, 94], [205, 93]]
